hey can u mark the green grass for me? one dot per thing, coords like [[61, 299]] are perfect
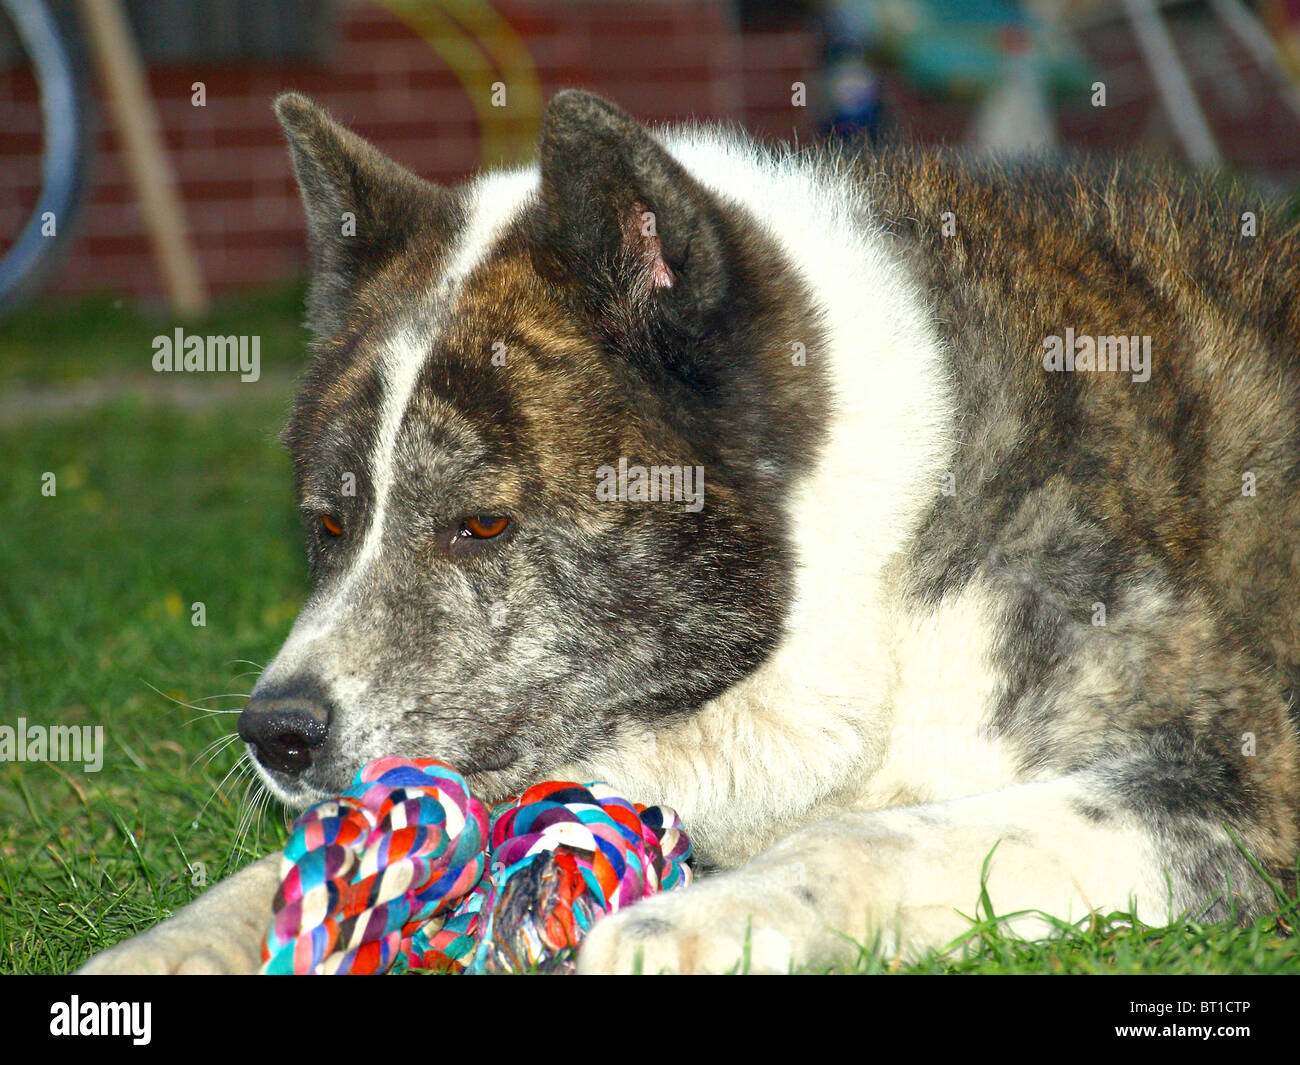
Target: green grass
[[156, 508], [102, 338], [1113, 944], [161, 506]]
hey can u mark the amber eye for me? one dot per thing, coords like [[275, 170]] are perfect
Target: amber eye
[[485, 526], [331, 524]]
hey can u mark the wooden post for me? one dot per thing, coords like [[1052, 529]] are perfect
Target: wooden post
[[146, 155], [1172, 84]]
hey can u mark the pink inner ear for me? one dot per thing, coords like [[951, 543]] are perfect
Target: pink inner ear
[[660, 275], [639, 230]]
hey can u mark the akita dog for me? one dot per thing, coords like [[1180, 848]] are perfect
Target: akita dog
[[994, 578]]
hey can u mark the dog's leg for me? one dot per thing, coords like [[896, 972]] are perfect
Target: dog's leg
[[1063, 847], [219, 932]]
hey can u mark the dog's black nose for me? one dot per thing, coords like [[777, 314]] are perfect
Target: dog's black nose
[[285, 725]]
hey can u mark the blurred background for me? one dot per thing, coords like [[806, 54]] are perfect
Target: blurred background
[[1213, 82]]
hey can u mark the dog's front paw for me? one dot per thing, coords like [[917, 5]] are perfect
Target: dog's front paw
[[219, 932], [185, 951], [729, 923]]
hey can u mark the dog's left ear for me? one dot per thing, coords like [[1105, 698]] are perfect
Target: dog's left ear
[[623, 224]]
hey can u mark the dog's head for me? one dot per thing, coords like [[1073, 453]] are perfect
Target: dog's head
[[496, 369]]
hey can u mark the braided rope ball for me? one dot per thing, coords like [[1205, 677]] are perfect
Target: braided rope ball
[[394, 874], [362, 873], [563, 855]]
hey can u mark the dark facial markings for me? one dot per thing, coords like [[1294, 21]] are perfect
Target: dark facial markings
[[504, 616]]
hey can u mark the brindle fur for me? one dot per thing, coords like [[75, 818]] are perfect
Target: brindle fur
[[1078, 488], [1156, 745]]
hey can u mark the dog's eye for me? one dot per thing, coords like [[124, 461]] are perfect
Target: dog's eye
[[484, 526], [332, 524]]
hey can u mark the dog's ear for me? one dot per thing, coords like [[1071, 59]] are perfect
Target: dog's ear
[[624, 225], [361, 207]]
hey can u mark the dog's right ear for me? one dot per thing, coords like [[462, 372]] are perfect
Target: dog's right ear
[[362, 208]]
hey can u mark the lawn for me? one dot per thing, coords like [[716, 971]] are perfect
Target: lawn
[[158, 506], [167, 499]]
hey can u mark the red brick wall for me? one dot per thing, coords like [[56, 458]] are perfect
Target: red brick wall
[[660, 59]]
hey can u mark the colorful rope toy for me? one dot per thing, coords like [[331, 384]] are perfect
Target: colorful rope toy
[[395, 874]]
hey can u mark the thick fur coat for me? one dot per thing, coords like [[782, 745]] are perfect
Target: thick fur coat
[[994, 573]]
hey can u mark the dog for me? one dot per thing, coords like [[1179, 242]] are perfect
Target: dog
[[915, 526]]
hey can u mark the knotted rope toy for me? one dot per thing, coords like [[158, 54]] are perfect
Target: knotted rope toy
[[406, 870]]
